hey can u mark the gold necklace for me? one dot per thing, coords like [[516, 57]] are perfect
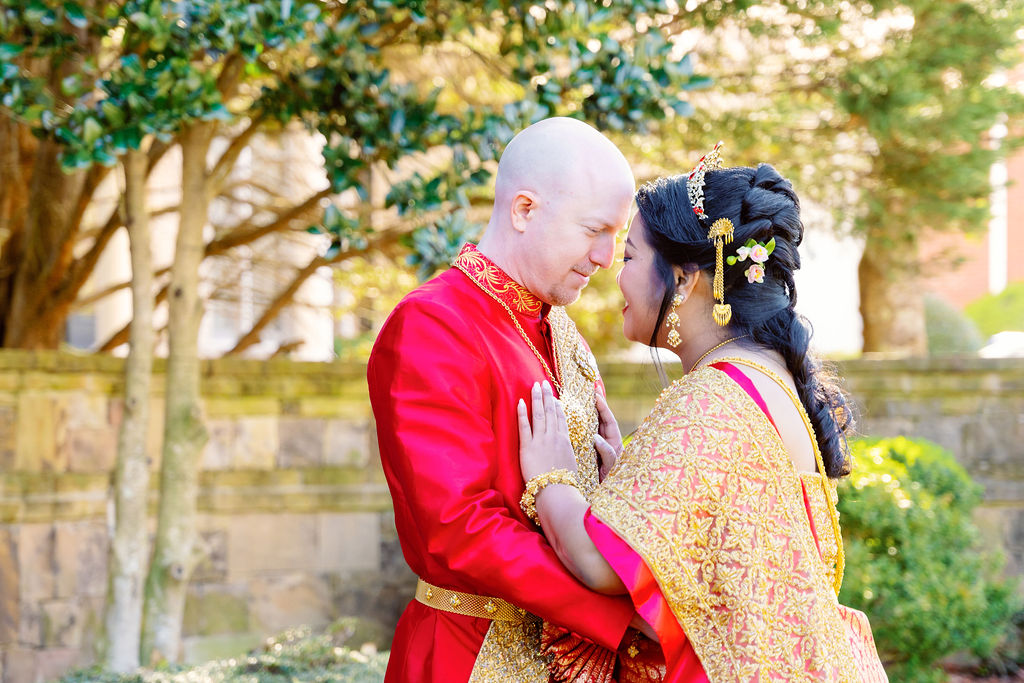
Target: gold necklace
[[712, 350], [522, 332], [833, 513]]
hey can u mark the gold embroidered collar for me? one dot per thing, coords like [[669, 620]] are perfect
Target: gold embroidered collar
[[489, 276]]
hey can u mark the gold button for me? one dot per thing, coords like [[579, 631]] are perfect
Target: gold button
[[430, 593], [491, 607], [455, 601], [632, 651]]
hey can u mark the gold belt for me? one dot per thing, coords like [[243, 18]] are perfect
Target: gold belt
[[468, 604]]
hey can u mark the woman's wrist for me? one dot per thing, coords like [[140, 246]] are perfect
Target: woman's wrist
[[536, 484]]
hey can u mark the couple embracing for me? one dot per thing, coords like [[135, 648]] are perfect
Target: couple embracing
[[706, 549]]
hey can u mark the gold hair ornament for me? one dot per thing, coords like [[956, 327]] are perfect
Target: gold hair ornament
[[721, 233], [695, 180]]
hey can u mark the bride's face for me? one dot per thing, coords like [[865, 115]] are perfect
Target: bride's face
[[637, 280]]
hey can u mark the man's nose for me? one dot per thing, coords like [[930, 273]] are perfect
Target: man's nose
[[603, 253]]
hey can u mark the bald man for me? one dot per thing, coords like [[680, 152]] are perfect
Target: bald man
[[445, 374]]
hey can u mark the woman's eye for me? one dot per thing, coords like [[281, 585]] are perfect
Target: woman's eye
[[625, 259]]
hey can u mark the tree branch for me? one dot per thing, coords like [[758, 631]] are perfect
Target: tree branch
[[246, 232], [286, 296], [227, 160]]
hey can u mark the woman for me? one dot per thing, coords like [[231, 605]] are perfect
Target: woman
[[719, 517]]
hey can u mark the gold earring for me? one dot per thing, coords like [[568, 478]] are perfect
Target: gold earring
[[672, 322]]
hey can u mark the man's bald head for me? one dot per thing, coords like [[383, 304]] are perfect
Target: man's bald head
[[562, 193], [553, 156]]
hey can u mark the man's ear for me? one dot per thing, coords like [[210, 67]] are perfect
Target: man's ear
[[524, 204], [686, 282]]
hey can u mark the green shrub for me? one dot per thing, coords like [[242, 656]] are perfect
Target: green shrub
[[295, 657], [997, 312], [914, 560], [949, 331]]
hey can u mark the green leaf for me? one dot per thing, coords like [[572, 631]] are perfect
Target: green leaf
[[75, 15], [91, 130], [70, 85], [113, 112], [770, 246], [749, 243], [10, 50], [34, 113]]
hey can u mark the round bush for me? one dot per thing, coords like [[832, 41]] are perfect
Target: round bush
[[999, 312], [915, 562], [949, 331]]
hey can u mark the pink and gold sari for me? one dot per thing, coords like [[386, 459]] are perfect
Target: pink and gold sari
[[726, 550]]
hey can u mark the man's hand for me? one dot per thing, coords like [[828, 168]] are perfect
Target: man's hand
[[608, 440]]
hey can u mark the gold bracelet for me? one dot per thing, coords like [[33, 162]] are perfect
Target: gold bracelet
[[529, 500]]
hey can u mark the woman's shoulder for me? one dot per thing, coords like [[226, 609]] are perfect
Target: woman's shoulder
[[700, 393]]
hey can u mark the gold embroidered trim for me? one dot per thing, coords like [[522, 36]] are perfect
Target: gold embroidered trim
[[488, 274], [707, 495]]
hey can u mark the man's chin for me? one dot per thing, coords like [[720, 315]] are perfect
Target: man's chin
[[563, 296]]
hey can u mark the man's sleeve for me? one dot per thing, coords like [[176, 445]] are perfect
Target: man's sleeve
[[430, 388]]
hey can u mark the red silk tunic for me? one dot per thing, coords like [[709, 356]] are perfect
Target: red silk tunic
[[445, 375]]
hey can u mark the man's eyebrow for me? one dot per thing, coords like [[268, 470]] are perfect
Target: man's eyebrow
[[629, 242], [607, 225]]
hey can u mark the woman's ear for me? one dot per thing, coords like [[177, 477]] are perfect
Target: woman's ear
[[686, 282]]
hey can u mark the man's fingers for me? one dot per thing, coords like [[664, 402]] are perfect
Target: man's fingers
[[604, 449], [604, 413]]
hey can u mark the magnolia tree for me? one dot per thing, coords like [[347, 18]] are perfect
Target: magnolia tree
[[422, 94]]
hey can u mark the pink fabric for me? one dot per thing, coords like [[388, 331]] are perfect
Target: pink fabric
[[748, 386], [681, 661]]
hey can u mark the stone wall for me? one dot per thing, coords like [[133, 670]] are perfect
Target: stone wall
[[295, 517], [972, 406]]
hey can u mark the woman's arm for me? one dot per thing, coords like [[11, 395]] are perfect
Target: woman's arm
[[543, 447], [561, 509]]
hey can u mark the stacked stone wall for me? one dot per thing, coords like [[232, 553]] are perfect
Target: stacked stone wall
[[972, 406], [295, 517], [296, 520]]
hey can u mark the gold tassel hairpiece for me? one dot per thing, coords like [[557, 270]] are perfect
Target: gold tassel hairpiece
[[721, 233]]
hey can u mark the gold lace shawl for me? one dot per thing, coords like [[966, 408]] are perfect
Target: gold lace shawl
[[707, 495]]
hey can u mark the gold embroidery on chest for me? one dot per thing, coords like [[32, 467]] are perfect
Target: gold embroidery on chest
[[579, 373], [511, 651]]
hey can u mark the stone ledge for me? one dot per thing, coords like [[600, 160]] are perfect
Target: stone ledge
[[47, 497]]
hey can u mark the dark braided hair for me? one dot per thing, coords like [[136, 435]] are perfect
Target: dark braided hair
[[761, 205]]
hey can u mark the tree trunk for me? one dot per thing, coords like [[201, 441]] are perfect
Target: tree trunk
[[44, 251], [129, 543], [175, 555], [891, 300]]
